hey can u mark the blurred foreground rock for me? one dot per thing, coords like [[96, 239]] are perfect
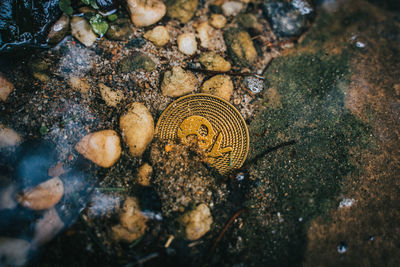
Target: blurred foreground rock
[[197, 222], [132, 224], [102, 147], [137, 126]]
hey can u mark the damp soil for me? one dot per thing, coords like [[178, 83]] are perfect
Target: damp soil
[[324, 129]]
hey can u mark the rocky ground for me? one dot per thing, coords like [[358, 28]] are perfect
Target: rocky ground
[[318, 188]]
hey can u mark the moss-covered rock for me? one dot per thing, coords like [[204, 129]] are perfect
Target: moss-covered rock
[[136, 61], [304, 109], [119, 30], [248, 21], [182, 10], [240, 47]]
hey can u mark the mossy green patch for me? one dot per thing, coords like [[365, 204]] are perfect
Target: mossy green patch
[[297, 182], [137, 61]]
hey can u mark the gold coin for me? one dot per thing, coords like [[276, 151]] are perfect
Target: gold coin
[[219, 128]]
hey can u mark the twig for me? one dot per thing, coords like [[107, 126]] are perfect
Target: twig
[[93, 236], [221, 234], [169, 241], [110, 188], [231, 73], [144, 259], [268, 150]]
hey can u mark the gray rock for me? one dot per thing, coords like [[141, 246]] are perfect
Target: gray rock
[[119, 30], [183, 10], [240, 47], [136, 62], [59, 30], [288, 19]]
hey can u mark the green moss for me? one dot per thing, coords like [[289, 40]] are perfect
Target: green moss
[[304, 179], [181, 10], [136, 61]]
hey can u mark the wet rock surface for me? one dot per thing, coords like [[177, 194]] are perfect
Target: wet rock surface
[[59, 30], [288, 18], [120, 30], [26, 23]]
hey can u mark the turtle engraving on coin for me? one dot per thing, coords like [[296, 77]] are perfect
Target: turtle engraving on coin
[[220, 130]]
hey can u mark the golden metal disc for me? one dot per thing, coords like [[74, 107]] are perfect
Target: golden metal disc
[[219, 128]]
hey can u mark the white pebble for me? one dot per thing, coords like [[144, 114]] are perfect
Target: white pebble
[[82, 31], [232, 8], [146, 12], [187, 43], [6, 87], [8, 137]]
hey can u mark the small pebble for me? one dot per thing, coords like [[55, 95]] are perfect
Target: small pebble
[[205, 33], [137, 126], [254, 84], [82, 31], [232, 8], [111, 97], [47, 227], [213, 61], [44, 196], [178, 82], [240, 47], [79, 84], [144, 174], [132, 224], [197, 222], [7, 199], [218, 21], [342, 248], [13, 252], [119, 30], [8, 137], [187, 43], [102, 147], [59, 30], [136, 61], [6, 87], [218, 85], [146, 12], [346, 202], [159, 36]]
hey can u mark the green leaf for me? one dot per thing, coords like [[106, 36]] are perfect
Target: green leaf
[[112, 17], [65, 6], [86, 2], [43, 130], [93, 3], [99, 26]]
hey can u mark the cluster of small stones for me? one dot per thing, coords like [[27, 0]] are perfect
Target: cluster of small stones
[[136, 125]]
